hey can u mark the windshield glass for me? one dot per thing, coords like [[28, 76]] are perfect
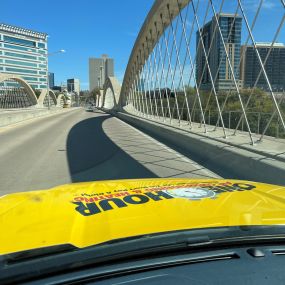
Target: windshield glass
[[126, 119]]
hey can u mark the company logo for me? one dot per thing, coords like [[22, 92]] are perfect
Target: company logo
[[191, 193], [95, 203]]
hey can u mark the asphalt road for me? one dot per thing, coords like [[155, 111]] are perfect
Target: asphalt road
[[77, 146]]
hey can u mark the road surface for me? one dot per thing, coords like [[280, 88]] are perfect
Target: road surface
[[77, 146]]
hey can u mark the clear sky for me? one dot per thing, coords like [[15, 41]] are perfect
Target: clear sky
[[90, 28], [85, 28]]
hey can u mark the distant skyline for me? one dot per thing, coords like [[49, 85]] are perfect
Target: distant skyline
[[90, 28]]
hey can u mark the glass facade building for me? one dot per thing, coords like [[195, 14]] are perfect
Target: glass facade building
[[73, 85], [219, 65], [24, 52], [51, 80], [274, 67]]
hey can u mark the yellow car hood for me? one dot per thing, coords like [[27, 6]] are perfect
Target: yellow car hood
[[85, 214]]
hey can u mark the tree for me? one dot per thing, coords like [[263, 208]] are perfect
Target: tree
[[93, 95]]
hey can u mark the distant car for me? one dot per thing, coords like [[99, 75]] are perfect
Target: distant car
[[89, 108]]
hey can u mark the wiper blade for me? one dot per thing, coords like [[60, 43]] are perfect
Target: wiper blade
[[36, 253], [29, 266], [39, 262], [164, 239]]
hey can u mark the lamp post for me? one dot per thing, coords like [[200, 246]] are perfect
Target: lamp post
[[47, 55]]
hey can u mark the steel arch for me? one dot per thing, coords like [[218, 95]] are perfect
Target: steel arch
[[178, 76], [59, 100], [111, 93], [151, 23], [42, 96], [25, 84]]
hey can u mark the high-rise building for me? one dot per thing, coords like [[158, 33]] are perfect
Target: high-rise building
[[274, 67], [219, 66], [109, 67], [73, 85], [51, 79], [24, 52], [99, 70]]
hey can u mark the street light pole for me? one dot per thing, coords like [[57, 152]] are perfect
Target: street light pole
[[49, 54], [48, 85]]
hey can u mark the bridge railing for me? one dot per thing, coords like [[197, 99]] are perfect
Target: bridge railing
[[201, 62], [259, 120]]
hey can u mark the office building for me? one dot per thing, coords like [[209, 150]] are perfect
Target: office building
[[274, 67], [24, 52], [73, 85], [51, 80], [99, 70], [217, 56]]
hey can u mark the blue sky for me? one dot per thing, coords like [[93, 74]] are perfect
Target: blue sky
[[85, 28], [89, 28]]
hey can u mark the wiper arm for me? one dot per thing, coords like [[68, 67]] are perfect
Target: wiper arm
[[36, 253], [30, 266], [161, 240], [38, 262]]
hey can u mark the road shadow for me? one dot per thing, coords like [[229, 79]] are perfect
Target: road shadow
[[93, 156], [198, 158]]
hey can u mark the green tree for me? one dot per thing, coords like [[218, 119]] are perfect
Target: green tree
[[93, 94]]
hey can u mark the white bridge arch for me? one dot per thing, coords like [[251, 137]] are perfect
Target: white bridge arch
[[15, 92], [187, 64], [43, 99], [111, 93], [16, 97]]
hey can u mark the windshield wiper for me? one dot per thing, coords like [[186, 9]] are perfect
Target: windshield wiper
[[36, 253], [30, 265]]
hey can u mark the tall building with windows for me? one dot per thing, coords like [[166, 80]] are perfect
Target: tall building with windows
[[99, 70], [274, 67], [51, 80], [24, 52], [231, 32], [73, 85]]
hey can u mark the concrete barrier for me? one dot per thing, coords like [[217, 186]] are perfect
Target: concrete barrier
[[9, 117], [226, 160]]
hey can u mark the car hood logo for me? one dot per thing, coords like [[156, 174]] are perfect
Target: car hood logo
[[191, 193]]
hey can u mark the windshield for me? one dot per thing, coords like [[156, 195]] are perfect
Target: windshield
[[128, 118]]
